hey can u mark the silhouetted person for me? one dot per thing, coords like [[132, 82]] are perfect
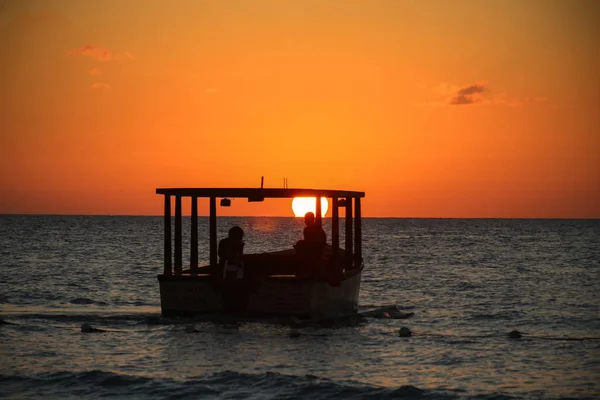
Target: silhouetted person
[[313, 233], [314, 237], [231, 250]]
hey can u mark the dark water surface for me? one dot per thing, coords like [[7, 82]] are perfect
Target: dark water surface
[[469, 282]]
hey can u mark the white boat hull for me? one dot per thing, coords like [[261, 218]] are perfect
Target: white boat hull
[[276, 295]]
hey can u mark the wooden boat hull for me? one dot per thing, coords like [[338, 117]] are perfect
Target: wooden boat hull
[[275, 295]]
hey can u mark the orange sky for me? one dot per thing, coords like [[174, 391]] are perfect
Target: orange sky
[[433, 108]]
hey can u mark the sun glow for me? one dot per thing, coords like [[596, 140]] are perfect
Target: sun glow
[[302, 205]]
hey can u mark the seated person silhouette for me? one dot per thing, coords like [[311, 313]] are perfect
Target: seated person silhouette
[[230, 254], [314, 237]]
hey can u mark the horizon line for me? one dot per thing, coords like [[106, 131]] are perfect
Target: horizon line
[[283, 216]]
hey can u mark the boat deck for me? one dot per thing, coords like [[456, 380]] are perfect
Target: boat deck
[[282, 264]]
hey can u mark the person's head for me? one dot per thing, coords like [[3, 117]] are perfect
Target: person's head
[[309, 219], [236, 233]]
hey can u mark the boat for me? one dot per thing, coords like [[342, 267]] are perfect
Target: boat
[[282, 283]]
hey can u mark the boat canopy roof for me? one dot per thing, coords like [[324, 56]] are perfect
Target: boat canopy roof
[[253, 193]]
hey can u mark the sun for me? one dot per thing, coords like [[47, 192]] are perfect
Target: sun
[[302, 205]]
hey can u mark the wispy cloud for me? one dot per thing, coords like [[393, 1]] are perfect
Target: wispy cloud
[[469, 94], [96, 52], [95, 71], [99, 86], [212, 90], [475, 93]]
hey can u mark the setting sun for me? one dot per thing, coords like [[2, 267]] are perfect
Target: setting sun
[[302, 205]]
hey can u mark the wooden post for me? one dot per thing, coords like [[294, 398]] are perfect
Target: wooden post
[[357, 234], [194, 237], [349, 246], [335, 228], [167, 221], [213, 231], [178, 246], [318, 219]]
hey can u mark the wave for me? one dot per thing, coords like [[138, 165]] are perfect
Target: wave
[[86, 301], [83, 300], [225, 384], [94, 384], [229, 384], [48, 320]]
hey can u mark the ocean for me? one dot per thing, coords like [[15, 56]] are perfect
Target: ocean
[[469, 282]]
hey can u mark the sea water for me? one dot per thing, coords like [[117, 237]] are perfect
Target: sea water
[[468, 282]]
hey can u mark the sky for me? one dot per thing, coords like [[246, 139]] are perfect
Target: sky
[[457, 109]]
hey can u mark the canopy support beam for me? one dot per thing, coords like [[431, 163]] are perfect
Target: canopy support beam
[[318, 218], [349, 245], [194, 237], [335, 228], [213, 231], [357, 233], [167, 222], [178, 245]]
